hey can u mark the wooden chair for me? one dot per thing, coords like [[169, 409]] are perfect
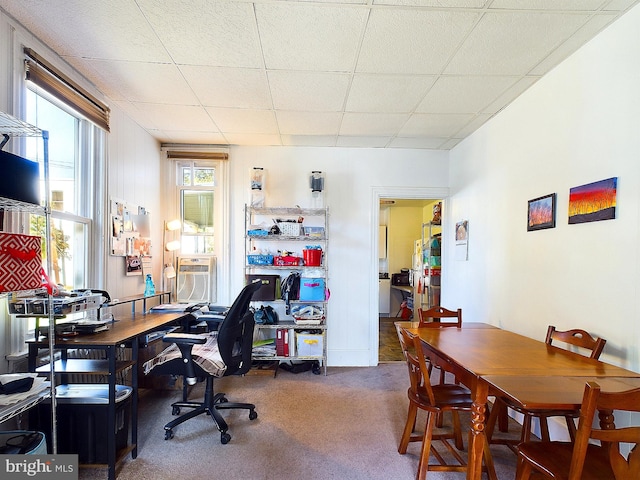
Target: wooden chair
[[584, 460], [575, 337], [438, 317], [435, 400]]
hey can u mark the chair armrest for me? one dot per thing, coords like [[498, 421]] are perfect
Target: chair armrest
[[184, 338]]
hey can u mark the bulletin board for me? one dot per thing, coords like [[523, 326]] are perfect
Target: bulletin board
[[130, 232]]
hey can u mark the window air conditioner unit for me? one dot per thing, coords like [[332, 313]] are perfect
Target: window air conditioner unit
[[196, 279]]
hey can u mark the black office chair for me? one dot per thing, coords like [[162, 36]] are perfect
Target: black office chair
[[224, 352]]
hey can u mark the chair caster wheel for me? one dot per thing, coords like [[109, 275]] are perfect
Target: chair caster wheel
[[168, 434], [175, 411], [225, 438], [253, 415]]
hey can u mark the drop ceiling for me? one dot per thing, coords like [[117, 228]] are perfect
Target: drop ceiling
[[353, 73]]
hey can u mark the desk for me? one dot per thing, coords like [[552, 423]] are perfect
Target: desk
[[123, 332], [473, 353]]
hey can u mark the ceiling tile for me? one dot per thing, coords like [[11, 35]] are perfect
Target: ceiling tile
[[178, 117], [201, 32], [567, 5], [309, 37], [412, 41], [463, 94], [236, 120], [305, 123], [228, 87], [197, 138], [473, 125], [309, 140], [510, 94], [114, 30], [387, 93], [583, 35], [512, 43], [417, 142], [313, 91], [436, 125], [363, 142], [435, 3], [449, 144], [366, 124], [142, 82], [252, 139]]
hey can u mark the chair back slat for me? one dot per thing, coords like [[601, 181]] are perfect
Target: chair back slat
[[605, 403], [577, 338], [437, 317], [419, 371]]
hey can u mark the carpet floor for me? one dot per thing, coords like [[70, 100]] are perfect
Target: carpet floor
[[345, 425]]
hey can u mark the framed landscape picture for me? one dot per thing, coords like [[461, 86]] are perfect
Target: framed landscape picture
[[541, 213], [593, 202]]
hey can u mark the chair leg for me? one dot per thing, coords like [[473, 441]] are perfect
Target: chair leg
[[423, 464], [457, 430], [408, 428], [491, 421], [523, 471]]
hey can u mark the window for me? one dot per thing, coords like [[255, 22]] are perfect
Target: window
[[197, 193], [76, 156]]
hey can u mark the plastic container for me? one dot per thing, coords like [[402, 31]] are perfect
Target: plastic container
[[82, 419], [312, 257]]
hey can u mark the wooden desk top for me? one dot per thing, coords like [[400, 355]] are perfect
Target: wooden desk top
[[559, 393], [125, 328]]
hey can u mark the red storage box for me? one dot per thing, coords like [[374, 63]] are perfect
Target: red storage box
[[286, 261]]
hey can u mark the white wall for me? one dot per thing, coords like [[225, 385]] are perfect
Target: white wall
[[351, 175], [577, 125], [133, 176]]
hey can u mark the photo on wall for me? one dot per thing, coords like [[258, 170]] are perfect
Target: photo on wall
[[541, 213], [593, 202]]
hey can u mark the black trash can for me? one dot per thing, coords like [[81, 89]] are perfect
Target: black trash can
[[82, 411]]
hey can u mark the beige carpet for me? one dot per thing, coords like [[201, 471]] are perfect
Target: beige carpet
[[345, 425]]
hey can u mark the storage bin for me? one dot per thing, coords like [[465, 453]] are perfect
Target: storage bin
[[289, 229], [312, 257], [287, 260], [270, 289], [260, 259], [312, 289], [82, 420], [309, 344], [22, 442]]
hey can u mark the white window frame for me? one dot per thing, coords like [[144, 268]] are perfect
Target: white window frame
[[221, 207]]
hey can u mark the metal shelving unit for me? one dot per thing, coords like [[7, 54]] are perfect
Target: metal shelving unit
[[320, 218], [11, 127]]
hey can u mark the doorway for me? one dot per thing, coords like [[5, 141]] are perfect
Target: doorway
[[403, 213]]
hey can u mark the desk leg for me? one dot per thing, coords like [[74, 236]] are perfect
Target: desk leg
[[134, 400], [477, 437], [111, 415]]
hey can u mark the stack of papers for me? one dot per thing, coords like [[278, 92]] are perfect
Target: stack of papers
[[265, 348], [39, 384]]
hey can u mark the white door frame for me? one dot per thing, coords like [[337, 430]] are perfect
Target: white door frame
[[378, 193]]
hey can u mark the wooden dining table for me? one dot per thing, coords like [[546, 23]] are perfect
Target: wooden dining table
[[491, 361]]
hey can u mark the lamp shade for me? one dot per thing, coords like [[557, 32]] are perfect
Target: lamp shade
[[171, 246]]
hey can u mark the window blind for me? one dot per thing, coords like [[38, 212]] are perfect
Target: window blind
[[195, 155], [56, 83]]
